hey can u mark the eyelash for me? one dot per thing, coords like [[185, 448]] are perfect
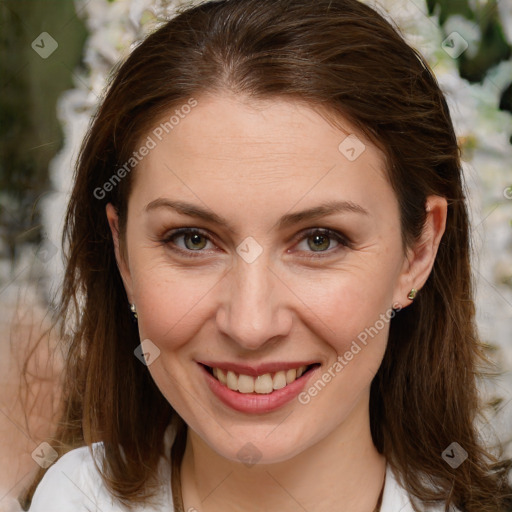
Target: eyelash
[[338, 237]]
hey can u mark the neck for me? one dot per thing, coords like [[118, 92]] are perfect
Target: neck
[[342, 472]]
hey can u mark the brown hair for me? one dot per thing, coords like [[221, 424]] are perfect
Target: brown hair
[[344, 57]]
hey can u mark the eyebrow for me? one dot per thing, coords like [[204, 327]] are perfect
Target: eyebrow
[[322, 210]]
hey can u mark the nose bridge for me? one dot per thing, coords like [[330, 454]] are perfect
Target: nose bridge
[[254, 310]]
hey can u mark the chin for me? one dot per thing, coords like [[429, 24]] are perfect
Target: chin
[[259, 444]]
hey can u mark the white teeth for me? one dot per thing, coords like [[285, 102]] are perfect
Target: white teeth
[[221, 376], [232, 381], [246, 384], [279, 380], [291, 375], [263, 384]]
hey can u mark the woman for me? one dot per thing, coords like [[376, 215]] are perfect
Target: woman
[[268, 279]]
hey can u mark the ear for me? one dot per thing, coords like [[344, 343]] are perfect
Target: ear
[[420, 258], [122, 264]]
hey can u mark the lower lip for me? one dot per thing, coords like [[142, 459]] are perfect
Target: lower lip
[[257, 403]]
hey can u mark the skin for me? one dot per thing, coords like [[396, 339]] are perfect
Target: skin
[[252, 162]]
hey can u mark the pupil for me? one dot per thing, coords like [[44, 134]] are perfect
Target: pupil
[[320, 242], [195, 239]]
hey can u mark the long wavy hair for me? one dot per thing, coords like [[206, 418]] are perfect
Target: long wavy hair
[[344, 57]]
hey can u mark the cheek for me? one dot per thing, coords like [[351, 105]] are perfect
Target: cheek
[[170, 304], [347, 305], [353, 319]]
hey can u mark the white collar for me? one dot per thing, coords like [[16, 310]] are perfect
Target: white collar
[[395, 497]]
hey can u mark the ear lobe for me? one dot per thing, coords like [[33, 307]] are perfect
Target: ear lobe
[[113, 221], [421, 257]]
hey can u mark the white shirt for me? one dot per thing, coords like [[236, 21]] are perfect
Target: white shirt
[[74, 484]]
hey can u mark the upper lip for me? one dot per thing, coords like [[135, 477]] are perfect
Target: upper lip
[[257, 369]]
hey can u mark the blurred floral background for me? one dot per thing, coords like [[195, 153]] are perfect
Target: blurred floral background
[[56, 57]]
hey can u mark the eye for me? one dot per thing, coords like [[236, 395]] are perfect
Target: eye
[[187, 240], [320, 240]]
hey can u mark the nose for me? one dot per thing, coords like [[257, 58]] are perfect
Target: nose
[[253, 310]]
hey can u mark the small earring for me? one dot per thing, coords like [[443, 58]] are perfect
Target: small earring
[[412, 294], [134, 310]]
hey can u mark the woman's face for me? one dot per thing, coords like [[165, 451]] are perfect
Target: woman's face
[[289, 255]]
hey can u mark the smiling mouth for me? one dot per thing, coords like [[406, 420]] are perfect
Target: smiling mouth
[[262, 384]]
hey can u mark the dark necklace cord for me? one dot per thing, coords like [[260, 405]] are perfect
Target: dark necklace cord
[[177, 451], [379, 501]]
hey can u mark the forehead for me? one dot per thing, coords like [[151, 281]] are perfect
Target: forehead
[[254, 150]]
